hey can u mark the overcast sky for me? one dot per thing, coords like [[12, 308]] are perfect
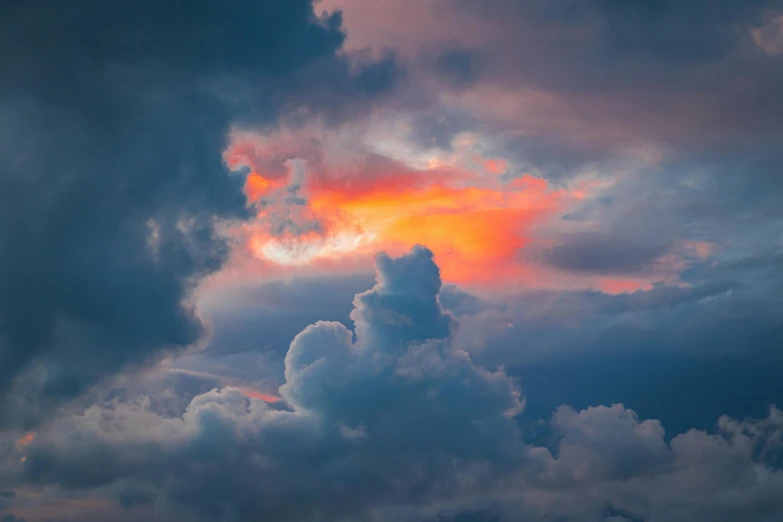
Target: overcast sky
[[391, 261]]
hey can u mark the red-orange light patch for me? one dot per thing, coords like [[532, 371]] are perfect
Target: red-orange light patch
[[259, 395], [23, 442]]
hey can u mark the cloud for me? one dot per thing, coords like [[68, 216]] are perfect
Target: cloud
[[248, 315], [611, 443], [641, 96], [683, 353], [618, 54], [628, 182], [609, 462], [396, 423], [769, 37], [114, 119], [567, 89], [572, 150], [602, 254], [717, 309], [369, 186], [382, 418]]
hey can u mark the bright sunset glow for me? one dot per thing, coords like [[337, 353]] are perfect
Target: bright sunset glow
[[259, 395], [475, 223]]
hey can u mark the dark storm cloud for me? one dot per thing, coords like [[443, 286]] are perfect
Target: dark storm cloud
[[597, 253], [114, 117], [467, 516], [460, 67], [398, 425], [627, 44], [6, 497], [129, 499], [678, 31]]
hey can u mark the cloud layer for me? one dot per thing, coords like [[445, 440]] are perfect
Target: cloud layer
[[399, 424], [191, 196]]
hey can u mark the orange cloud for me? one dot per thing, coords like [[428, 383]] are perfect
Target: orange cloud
[[474, 232], [623, 286], [474, 225], [23, 442], [257, 186], [334, 215], [258, 395], [699, 249], [495, 166]]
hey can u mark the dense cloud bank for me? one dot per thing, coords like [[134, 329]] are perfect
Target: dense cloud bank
[[586, 78], [397, 423], [114, 117]]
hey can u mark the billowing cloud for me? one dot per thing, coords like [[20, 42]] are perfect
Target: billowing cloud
[[385, 417], [397, 423], [622, 466]]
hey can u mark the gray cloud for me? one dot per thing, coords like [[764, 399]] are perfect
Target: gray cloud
[[609, 459], [597, 253], [572, 86], [266, 316], [384, 418], [398, 424], [642, 57], [683, 353]]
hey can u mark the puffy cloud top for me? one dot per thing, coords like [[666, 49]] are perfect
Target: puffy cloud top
[[397, 414], [403, 430]]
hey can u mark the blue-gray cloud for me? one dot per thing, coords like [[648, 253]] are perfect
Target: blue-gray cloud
[[384, 418], [266, 316], [682, 353], [604, 254], [397, 423]]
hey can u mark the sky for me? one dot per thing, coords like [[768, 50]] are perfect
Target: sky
[[391, 261]]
